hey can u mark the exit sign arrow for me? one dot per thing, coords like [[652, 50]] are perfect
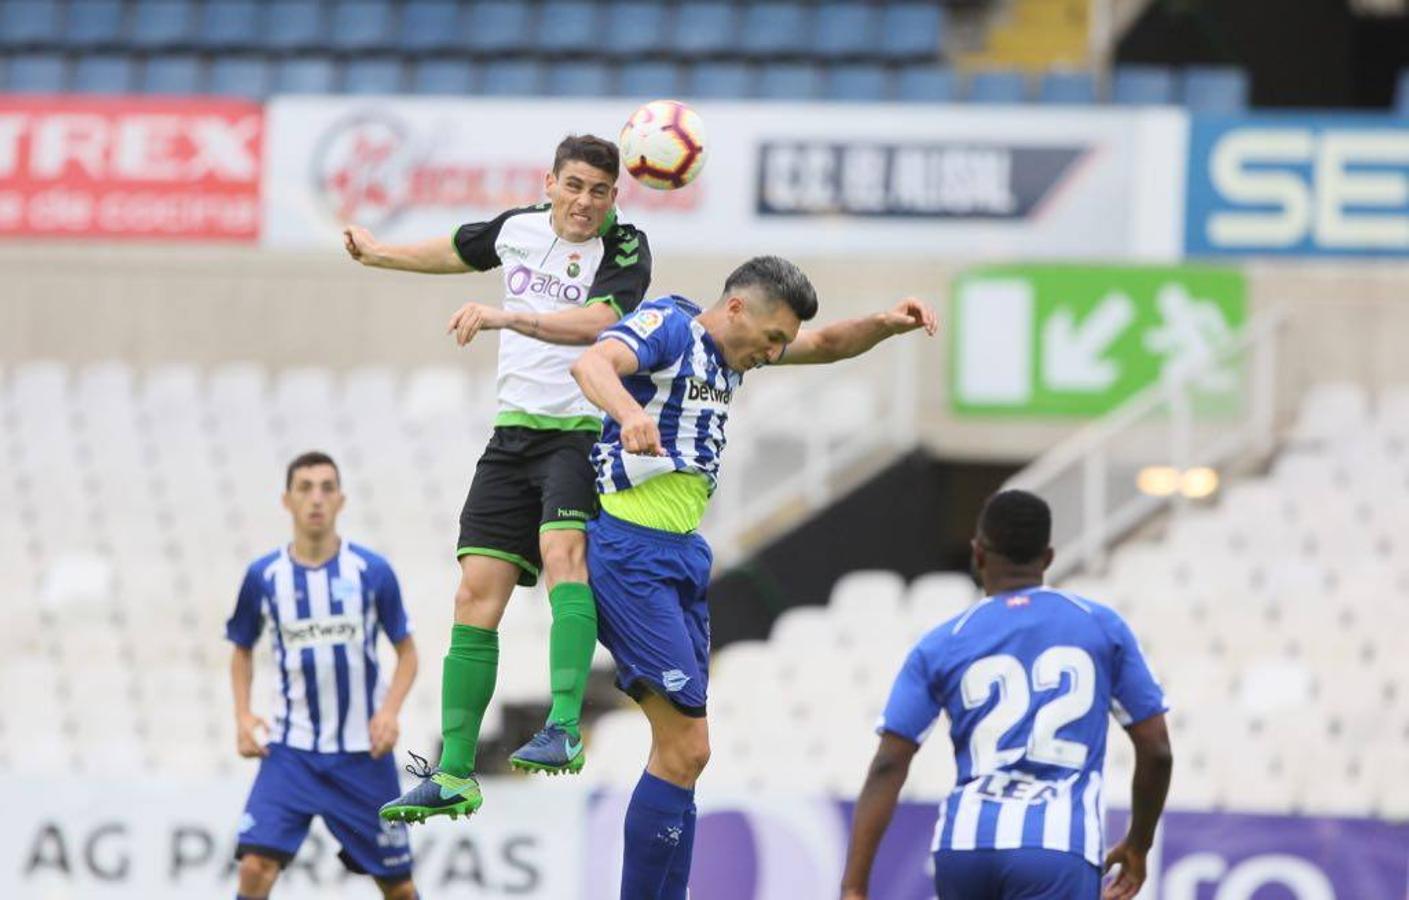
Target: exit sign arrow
[[1073, 355]]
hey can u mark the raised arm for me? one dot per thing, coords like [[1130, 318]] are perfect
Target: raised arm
[[874, 808], [1154, 761], [436, 256], [852, 337], [598, 372], [577, 327]]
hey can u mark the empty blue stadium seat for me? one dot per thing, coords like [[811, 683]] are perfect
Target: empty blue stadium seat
[[362, 25], [579, 79], [497, 26], [228, 25], [28, 23], [1067, 87], [294, 25], [36, 73], [179, 73], [372, 76], [845, 30], [94, 23], [305, 75], [452, 77], [912, 31], [636, 27], [1142, 85], [926, 83], [102, 73], [569, 25], [161, 24], [512, 78], [648, 80], [240, 76], [858, 81], [1215, 89], [430, 25], [775, 29], [789, 81], [702, 29], [997, 86], [720, 80]]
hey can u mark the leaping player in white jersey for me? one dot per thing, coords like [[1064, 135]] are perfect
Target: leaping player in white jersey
[[571, 269]]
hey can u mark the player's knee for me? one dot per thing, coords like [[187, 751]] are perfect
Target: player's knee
[[474, 603], [257, 874], [564, 555], [400, 889], [688, 754]]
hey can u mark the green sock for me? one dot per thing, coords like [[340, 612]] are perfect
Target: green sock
[[467, 683], [570, 644]]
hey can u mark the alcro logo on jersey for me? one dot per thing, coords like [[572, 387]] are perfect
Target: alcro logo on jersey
[[321, 632], [522, 280], [705, 392]]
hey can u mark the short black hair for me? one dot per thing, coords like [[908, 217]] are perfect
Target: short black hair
[[783, 281], [311, 458], [1017, 525], [596, 152]]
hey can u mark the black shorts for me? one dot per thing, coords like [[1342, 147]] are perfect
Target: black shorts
[[527, 482]]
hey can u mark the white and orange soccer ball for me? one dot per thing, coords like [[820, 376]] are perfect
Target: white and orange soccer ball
[[663, 145]]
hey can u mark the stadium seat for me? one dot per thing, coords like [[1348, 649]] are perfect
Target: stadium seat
[[294, 25], [637, 28], [1215, 89], [237, 76], [588, 78], [720, 81], [498, 26], [36, 73], [926, 84], [845, 30], [512, 78], [939, 596], [106, 73], [94, 23], [874, 591], [1329, 411], [1142, 85], [228, 25], [452, 77], [789, 81], [180, 74], [372, 76], [161, 24], [867, 82], [430, 26], [911, 31], [770, 30], [360, 25], [567, 26], [647, 79], [1067, 87], [997, 87], [305, 75], [26, 24], [702, 29]]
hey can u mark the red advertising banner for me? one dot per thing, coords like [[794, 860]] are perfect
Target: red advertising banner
[[130, 167]]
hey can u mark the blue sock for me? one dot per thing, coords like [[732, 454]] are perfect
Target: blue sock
[[654, 830], [677, 879]]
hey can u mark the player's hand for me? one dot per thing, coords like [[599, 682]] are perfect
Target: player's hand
[[472, 318], [1131, 877], [247, 736], [359, 243], [384, 732], [640, 435], [910, 314]]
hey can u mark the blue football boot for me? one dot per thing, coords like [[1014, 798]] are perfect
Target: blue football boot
[[438, 794], [552, 750]]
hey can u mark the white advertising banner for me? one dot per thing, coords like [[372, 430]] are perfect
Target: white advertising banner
[[167, 838], [961, 181]]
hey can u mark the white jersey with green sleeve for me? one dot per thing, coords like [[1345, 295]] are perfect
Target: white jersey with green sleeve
[[544, 274]]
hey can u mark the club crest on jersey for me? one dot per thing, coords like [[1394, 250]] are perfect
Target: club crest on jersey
[[1019, 600], [645, 322], [343, 589], [574, 265]]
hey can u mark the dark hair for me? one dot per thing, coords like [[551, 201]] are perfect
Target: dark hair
[[1016, 525], [304, 460], [588, 148], [780, 279]]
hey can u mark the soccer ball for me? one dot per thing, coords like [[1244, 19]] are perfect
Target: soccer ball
[[663, 145]]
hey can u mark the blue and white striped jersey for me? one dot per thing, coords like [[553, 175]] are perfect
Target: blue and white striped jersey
[[682, 383], [1027, 679], [324, 624]]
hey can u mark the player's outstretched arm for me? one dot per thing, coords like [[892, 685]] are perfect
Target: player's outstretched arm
[[575, 327], [874, 809], [1154, 761], [598, 372], [852, 337], [247, 724], [436, 256], [383, 727]]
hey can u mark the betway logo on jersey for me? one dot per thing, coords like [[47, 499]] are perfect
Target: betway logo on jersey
[[321, 632], [522, 281], [703, 391]]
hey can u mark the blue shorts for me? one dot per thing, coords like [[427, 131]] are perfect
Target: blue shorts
[[1028, 873], [346, 789], [651, 609]]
